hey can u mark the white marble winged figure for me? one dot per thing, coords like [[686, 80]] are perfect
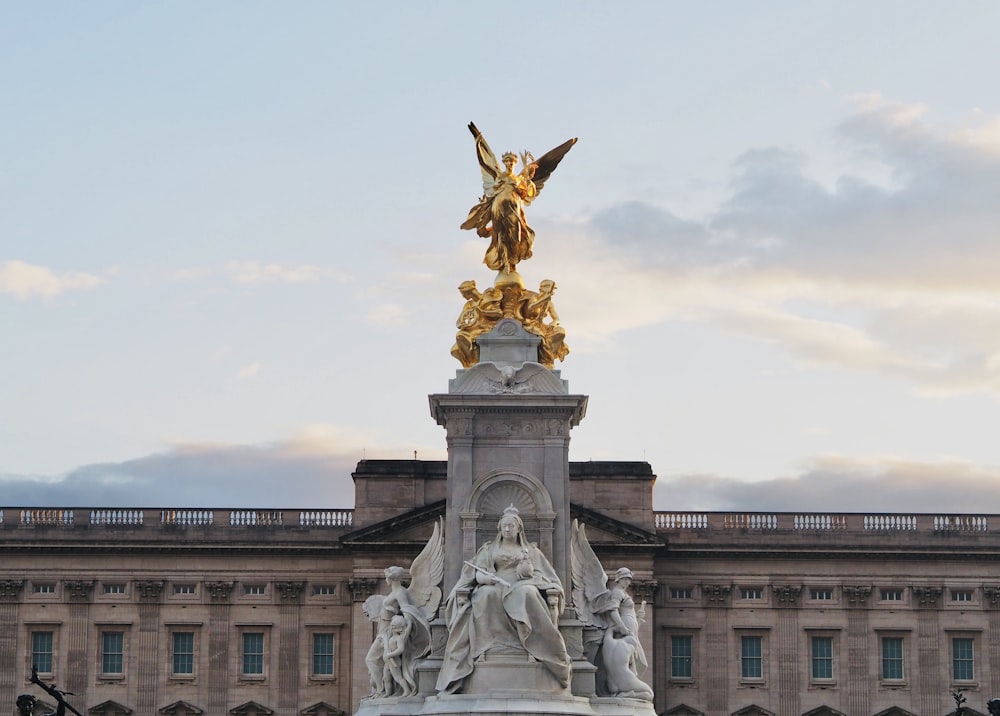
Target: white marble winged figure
[[613, 643], [403, 617]]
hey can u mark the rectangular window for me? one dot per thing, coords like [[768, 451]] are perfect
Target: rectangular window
[[680, 593], [41, 651], [184, 589], [112, 652], [961, 595], [821, 595], [822, 657], [253, 589], [114, 588], [253, 654], [892, 658], [891, 595], [183, 655], [322, 655], [750, 593], [751, 657], [44, 588], [680, 657], [961, 659], [324, 590]]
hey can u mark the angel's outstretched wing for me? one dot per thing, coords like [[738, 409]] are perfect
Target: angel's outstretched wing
[[487, 159], [426, 573], [590, 589], [541, 169]]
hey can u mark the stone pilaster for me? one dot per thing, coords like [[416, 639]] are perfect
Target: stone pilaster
[[930, 648], [716, 654], [79, 593], [289, 676], [10, 596], [860, 681], [789, 660], [148, 647], [219, 631]]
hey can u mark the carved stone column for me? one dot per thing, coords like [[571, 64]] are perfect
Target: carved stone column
[[716, 600], [929, 649], [786, 599]]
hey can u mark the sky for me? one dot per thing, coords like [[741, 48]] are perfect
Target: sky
[[230, 244]]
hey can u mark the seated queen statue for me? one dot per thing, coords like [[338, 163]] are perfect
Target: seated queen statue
[[506, 601]]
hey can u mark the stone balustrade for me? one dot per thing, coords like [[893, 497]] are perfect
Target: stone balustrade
[[821, 521], [139, 517]]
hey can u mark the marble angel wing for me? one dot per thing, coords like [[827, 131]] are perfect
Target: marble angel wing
[[539, 170], [426, 573], [488, 163], [590, 589]]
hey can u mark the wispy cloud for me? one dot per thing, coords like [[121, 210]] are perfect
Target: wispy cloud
[[23, 280], [248, 371], [840, 484], [310, 469], [896, 277]]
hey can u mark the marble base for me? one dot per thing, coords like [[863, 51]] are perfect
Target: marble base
[[501, 704]]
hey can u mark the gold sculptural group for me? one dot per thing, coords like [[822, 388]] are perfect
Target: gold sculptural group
[[499, 216], [534, 310]]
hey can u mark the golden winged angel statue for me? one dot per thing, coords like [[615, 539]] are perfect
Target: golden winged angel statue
[[499, 214]]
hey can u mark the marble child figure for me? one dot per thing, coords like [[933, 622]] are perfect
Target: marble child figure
[[501, 604]]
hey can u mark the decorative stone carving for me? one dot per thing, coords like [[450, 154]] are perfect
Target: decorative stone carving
[[787, 596], [149, 591], [79, 590], [10, 589], [645, 590], [508, 577], [856, 596], [290, 591], [607, 607], [403, 617], [716, 595], [219, 591], [360, 588], [928, 597], [993, 596]]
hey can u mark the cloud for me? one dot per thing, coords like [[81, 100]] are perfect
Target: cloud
[[889, 269], [23, 281], [310, 469], [257, 272], [840, 484], [248, 371]]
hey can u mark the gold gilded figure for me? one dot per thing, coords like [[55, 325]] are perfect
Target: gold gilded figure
[[539, 317], [499, 214], [479, 314]]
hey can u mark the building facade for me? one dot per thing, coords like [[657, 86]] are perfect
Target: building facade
[[161, 611]]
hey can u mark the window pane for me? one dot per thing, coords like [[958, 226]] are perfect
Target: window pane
[[41, 651], [322, 655], [183, 652], [112, 652], [751, 660], [680, 657], [892, 658], [961, 659], [253, 653], [822, 657]]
